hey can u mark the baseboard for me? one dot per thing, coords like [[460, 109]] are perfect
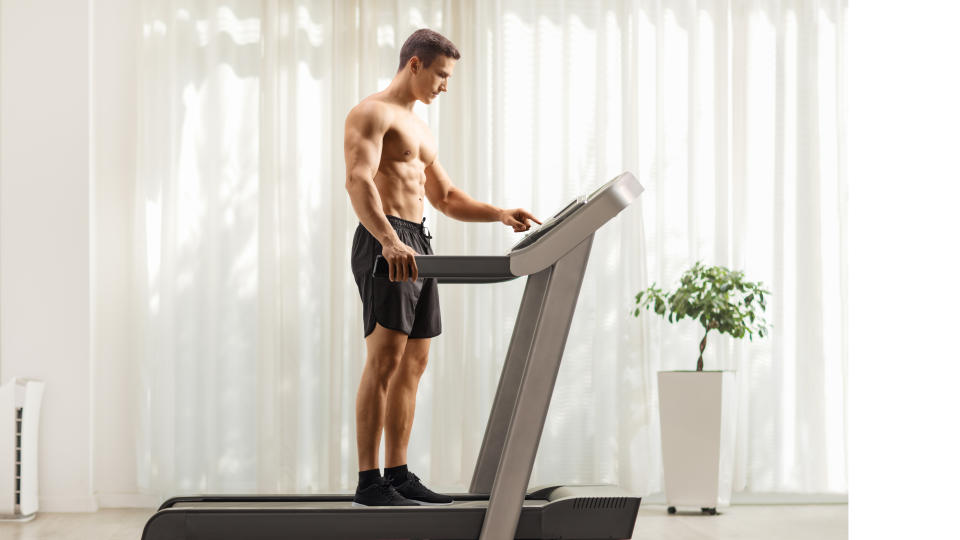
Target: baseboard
[[67, 504], [768, 498], [128, 500], [96, 502]]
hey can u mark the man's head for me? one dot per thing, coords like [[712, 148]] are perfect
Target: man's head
[[429, 58]]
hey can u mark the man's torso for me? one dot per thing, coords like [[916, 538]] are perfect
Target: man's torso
[[408, 148]]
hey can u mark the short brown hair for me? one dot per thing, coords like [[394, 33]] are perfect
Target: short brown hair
[[426, 44]]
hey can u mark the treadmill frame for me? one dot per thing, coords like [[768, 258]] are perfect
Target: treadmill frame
[[513, 431]]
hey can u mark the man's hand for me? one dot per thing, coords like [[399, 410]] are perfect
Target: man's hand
[[402, 263], [518, 218]]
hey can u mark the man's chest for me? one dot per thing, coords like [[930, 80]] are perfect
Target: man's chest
[[409, 139]]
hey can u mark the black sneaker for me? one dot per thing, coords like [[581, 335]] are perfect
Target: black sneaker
[[412, 489], [380, 494]]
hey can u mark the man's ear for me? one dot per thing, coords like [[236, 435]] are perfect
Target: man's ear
[[414, 64]]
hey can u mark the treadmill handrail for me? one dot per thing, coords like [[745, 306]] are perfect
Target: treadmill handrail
[[456, 268]]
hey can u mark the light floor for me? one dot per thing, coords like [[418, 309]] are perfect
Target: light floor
[[743, 522]]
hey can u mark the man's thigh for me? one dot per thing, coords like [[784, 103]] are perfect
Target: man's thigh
[[386, 343]]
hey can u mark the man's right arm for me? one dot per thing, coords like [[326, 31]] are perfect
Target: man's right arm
[[362, 145]]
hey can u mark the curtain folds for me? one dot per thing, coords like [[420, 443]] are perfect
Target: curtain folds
[[731, 113]]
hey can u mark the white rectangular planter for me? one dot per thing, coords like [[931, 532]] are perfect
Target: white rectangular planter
[[697, 431]]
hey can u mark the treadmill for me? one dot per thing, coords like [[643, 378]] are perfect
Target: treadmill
[[499, 504]]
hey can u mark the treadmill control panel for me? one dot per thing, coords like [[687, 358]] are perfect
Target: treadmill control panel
[[554, 220], [544, 245]]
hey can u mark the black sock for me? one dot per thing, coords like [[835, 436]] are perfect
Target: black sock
[[398, 473], [368, 478]]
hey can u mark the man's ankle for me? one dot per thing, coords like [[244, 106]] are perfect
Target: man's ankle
[[368, 478], [396, 475]]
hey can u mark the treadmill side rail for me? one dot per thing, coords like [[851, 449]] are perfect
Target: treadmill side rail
[[455, 268]]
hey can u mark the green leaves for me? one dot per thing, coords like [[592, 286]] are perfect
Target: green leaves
[[719, 298]]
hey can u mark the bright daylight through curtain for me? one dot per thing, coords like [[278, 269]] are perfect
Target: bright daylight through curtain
[[731, 114]]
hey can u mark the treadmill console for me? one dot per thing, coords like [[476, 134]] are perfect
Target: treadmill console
[[565, 212], [554, 220]]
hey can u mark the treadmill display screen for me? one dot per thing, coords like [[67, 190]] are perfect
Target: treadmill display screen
[[565, 208]]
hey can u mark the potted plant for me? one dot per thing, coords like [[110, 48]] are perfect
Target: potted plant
[[698, 408]]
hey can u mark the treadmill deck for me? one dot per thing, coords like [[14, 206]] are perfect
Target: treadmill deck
[[569, 512]]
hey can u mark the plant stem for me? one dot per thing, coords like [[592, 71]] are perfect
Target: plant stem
[[703, 345]]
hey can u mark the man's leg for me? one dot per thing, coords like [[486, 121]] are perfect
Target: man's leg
[[385, 350], [402, 400]]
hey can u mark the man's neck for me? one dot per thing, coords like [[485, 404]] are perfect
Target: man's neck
[[398, 91]]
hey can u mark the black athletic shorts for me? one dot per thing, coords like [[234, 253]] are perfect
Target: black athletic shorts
[[411, 307]]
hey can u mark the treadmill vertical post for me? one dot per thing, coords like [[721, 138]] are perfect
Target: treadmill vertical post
[[510, 376], [529, 411]]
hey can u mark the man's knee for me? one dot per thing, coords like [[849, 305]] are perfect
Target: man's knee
[[414, 365], [384, 364]]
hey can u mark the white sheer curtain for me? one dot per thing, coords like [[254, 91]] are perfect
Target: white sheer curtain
[[730, 113]]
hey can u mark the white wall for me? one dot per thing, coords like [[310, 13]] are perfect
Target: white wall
[[67, 165], [45, 232]]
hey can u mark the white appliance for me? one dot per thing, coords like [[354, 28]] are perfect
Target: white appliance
[[19, 434]]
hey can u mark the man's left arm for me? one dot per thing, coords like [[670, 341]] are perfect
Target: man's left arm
[[455, 203]]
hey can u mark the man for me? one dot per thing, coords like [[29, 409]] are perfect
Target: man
[[391, 163]]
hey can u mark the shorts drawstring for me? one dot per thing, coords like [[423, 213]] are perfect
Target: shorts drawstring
[[400, 223]]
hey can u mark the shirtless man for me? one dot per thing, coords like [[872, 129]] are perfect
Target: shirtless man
[[391, 160]]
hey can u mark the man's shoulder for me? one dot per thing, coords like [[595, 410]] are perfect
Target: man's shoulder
[[370, 111]]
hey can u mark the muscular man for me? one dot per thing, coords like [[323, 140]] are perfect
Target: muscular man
[[392, 163]]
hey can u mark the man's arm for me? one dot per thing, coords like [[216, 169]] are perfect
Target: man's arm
[[453, 202], [362, 145]]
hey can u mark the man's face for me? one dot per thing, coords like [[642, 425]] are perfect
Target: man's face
[[429, 82]]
